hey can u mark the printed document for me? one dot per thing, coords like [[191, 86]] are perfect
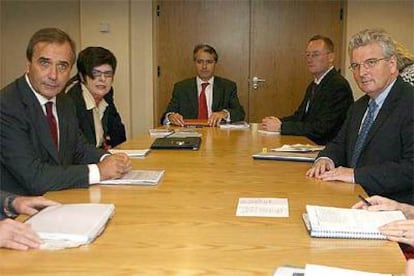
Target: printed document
[[262, 207]]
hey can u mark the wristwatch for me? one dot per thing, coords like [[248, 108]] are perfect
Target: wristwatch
[[8, 208]]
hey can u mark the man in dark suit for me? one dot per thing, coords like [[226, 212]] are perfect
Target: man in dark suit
[[323, 109], [216, 102], [375, 146], [93, 95], [42, 148]]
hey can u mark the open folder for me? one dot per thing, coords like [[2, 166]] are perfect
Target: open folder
[[286, 156], [70, 225]]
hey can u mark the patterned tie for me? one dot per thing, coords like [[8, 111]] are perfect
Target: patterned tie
[[51, 120], [366, 125], [202, 103]]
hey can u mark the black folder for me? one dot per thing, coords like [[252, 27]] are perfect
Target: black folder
[[185, 143]]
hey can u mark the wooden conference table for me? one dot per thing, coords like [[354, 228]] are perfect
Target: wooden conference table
[[187, 225]]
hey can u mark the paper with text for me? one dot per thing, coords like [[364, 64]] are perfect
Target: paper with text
[[137, 177], [132, 153], [299, 148], [321, 270], [262, 207]]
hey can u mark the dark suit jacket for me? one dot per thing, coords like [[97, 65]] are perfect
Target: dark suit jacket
[[113, 128], [30, 163], [327, 112], [386, 163], [185, 99]]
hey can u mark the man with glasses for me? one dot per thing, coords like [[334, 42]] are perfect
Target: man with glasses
[[375, 146], [205, 97], [91, 90], [327, 98], [42, 147]]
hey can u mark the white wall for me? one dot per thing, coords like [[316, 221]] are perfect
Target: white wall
[[396, 17], [20, 19], [107, 24]]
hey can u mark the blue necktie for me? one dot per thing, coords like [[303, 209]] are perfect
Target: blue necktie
[[366, 125]]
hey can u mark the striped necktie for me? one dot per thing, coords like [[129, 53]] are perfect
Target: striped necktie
[[363, 133]]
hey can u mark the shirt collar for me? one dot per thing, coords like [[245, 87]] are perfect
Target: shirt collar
[[318, 81], [383, 95], [42, 99], [200, 81], [90, 101]]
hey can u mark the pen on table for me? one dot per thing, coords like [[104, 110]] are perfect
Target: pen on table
[[364, 200]]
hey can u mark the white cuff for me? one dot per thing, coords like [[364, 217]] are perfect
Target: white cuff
[[228, 120], [166, 121], [326, 158], [94, 174]]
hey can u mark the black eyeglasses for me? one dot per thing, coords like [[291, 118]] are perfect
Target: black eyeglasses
[[98, 74], [368, 64]]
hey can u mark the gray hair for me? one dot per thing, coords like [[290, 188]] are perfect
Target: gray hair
[[370, 36]]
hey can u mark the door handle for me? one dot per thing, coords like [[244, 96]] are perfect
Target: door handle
[[256, 81]]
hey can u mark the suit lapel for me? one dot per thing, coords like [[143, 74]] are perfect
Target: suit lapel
[[39, 119], [387, 107], [193, 97], [217, 92]]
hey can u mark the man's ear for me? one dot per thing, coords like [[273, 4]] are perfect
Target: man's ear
[[28, 63], [393, 64], [331, 57]]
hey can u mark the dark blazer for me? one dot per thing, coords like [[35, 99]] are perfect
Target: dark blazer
[[185, 99], [30, 163], [386, 163], [327, 112], [114, 130]]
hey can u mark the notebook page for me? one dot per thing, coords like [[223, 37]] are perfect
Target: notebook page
[[349, 220], [136, 177], [320, 270]]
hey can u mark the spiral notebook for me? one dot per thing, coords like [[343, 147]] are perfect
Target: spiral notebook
[[332, 222]]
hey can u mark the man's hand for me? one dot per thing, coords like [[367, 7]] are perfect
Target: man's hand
[[320, 167], [114, 166], [176, 119], [17, 235], [271, 123], [216, 117], [339, 174], [29, 205]]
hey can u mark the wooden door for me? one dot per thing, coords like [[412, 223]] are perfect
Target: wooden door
[[253, 38], [183, 24], [279, 34]]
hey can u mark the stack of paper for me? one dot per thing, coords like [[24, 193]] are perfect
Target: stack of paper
[[299, 148], [160, 132], [138, 153], [321, 270], [183, 134], [267, 132], [286, 156], [236, 125], [137, 177], [70, 225]]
